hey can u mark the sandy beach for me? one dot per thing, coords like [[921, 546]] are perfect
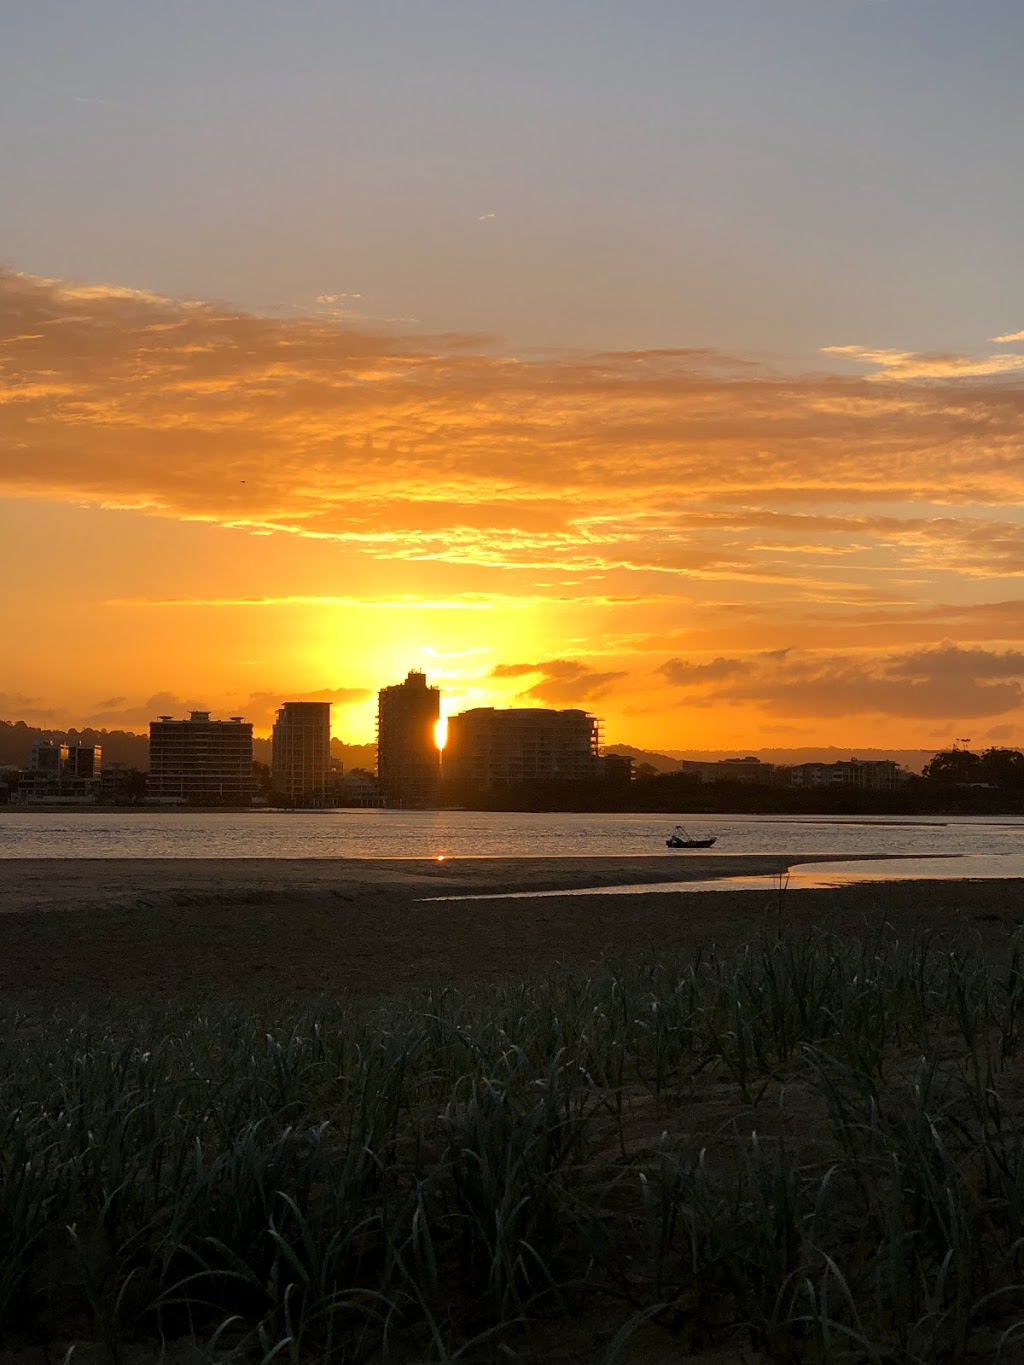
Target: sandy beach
[[364, 929]]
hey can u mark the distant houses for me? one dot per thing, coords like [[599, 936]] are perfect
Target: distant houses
[[869, 775], [857, 774]]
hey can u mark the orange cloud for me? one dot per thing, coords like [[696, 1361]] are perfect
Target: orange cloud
[[945, 682], [652, 524], [430, 448], [562, 682], [258, 707], [916, 365]]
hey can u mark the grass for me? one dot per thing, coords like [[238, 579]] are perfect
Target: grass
[[810, 1151]]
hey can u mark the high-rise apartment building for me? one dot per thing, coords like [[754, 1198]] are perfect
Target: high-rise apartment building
[[408, 758], [488, 747], [200, 761], [301, 756]]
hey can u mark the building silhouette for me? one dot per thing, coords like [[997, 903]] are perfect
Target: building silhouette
[[49, 756], [862, 774], [488, 747], [61, 772], [748, 770], [84, 761], [408, 759], [199, 761], [301, 753]]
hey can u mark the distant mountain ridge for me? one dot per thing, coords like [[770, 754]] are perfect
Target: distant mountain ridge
[[668, 760], [119, 746]]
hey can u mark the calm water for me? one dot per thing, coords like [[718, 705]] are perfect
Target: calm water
[[474, 834], [803, 877]]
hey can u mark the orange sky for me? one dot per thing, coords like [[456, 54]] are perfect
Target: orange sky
[[204, 506], [661, 357]]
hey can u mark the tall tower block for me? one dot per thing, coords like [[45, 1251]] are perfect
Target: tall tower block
[[408, 759], [301, 756]]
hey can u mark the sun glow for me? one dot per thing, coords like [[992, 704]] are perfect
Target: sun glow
[[441, 733]]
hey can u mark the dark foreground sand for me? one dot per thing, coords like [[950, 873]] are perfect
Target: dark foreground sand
[[361, 929]]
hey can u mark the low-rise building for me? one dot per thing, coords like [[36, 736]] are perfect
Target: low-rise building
[[358, 787], [61, 774], [84, 760], [49, 756], [876, 775], [616, 768], [750, 770]]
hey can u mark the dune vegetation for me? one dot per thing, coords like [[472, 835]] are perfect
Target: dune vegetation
[[811, 1150]]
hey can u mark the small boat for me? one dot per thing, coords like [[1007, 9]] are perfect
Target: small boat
[[681, 838]]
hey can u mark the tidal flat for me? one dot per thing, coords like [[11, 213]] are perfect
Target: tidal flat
[[359, 929]]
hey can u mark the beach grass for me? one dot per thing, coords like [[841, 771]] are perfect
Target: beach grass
[[808, 1150]]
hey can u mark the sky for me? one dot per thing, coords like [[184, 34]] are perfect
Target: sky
[[659, 357]]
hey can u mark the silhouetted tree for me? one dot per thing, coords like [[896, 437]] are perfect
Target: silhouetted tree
[[1002, 767], [261, 778], [953, 765]]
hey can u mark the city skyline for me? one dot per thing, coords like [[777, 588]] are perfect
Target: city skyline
[[663, 360]]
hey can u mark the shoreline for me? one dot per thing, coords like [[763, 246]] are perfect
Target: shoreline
[[364, 929]]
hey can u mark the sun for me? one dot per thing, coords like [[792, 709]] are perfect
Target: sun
[[441, 732]]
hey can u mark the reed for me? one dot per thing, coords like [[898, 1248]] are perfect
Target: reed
[[812, 1149]]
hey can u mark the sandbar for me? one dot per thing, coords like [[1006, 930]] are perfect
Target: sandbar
[[366, 929]]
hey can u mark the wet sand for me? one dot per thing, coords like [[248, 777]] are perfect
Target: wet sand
[[152, 929]]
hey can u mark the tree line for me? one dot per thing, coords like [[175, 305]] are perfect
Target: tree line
[[996, 767]]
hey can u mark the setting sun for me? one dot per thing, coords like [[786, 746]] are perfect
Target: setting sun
[[441, 732]]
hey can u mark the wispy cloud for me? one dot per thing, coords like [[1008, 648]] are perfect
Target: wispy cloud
[[19, 706], [685, 673], [915, 365], [258, 707], [944, 682], [676, 513], [398, 603], [440, 450], [98, 101]]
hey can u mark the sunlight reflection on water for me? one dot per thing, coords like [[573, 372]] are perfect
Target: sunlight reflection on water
[[808, 877], [485, 834]]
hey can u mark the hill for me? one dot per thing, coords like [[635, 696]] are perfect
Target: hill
[[668, 760], [119, 746]]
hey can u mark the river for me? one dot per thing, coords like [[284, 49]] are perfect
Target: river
[[98, 833]]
